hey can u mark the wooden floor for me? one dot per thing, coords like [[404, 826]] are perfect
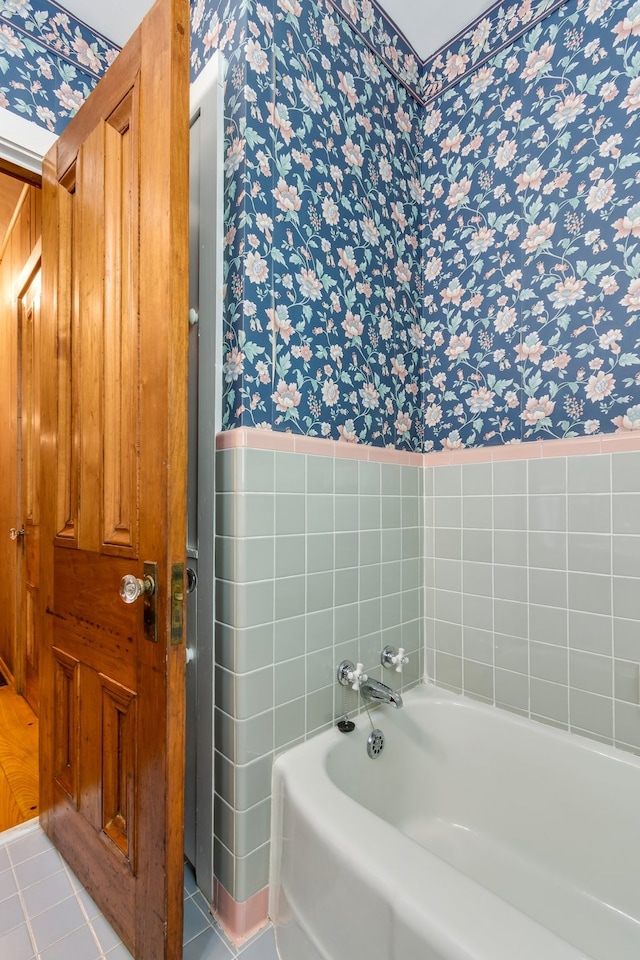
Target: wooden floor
[[18, 760]]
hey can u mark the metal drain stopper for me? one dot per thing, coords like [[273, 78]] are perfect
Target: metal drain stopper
[[375, 744]]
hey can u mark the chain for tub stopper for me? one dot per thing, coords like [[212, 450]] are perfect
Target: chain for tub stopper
[[344, 705], [345, 725], [366, 706]]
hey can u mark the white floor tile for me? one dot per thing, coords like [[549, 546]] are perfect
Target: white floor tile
[[79, 944], [45, 914], [11, 913], [17, 944], [47, 893], [56, 923]]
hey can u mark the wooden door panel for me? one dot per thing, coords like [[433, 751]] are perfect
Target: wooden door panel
[[65, 742], [121, 334], [118, 766], [98, 627], [64, 248], [112, 715], [111, 881]]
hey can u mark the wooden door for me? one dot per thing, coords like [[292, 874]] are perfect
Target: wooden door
[[113, 496], [18, 258], [29, 474]]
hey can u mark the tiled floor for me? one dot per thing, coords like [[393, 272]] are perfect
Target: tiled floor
[[45, 914]]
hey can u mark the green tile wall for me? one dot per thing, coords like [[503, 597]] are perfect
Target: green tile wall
[[532, 580], [317, 559], [516, 582]]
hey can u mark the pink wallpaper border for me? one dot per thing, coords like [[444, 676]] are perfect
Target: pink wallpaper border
[[256, 439]]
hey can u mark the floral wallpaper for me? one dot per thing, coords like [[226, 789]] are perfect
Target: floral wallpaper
[[323, 217], [491, 32], [216, 25], [456, 274], [387, 42], [510, 329], [49, 61], [532, 264]]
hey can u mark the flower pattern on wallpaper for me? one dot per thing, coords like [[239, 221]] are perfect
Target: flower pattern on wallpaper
[[323, 214], [49, 61], [532, 265], [496, 29], [463, 274], [385, 40], [215, 26]]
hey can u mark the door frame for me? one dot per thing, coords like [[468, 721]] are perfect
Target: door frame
[[23, 145], [23, 681], [207, 105]]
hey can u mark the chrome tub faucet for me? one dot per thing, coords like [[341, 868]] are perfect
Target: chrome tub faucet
[[372, 691]]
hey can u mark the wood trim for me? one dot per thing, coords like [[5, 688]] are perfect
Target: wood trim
[[29, 270], [169, 222], [20, 173], [48, 466], [14, 219], [67, 348], [122, 74], [6, 671]]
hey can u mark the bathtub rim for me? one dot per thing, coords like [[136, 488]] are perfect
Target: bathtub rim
[[331, 803]]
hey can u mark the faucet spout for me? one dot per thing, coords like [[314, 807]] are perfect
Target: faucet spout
[[375, 692]]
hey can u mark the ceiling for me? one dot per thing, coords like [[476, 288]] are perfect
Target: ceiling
[[427, 24]]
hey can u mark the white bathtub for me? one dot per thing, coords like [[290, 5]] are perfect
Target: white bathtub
[[476, 834]]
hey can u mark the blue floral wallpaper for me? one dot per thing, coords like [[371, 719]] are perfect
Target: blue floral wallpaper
[[532, 263], [499, 26], [49, 61], [216, 25], [466, 303], [456, 274], [385, 40], [323, 214]]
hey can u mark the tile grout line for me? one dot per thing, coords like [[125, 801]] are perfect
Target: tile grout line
[[83, 911], [27, 918]]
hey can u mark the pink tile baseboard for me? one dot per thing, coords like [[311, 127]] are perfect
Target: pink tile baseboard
[[253, 438], [239, 920]]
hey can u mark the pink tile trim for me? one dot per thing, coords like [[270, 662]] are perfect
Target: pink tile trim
[[310, 445], [624, 440], [473, 455], [351, 451], [579, 446], [252, 438], [387, 455], [519, 451], [229, 439], [270, 440], [239, 920], [315, 446]]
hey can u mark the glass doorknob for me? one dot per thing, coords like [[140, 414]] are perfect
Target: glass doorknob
[[133, 587]]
